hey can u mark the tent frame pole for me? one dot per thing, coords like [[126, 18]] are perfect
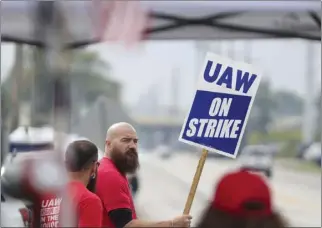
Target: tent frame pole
[[214, 22]]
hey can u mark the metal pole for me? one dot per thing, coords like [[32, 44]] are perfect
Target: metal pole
[[248, 52], [217, 48], [52, 28], [201, 48], [16, 75], [4, 139], [309, 108], [232, 50], [174, 92], [248, 58]]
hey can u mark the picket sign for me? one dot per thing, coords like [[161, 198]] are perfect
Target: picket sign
[[219, 111]]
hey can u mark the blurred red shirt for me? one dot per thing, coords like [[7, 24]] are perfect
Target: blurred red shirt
[[47, 207], [88, 206], [113, 189]]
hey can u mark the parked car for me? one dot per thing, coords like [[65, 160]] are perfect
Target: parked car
[[134, 183], [25, 139], [163, 151], [313, 153], [134, 179], [24, 142], [302, 148], [257, 158]]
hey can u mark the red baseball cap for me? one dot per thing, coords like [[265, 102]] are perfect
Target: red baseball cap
[[239, 188]]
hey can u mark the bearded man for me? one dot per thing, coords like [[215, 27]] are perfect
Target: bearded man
[[121, 158]]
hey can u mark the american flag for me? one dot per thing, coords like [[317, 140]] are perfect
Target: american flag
[[122, 21]]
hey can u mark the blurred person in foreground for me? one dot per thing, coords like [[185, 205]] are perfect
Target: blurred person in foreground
[[121, 158], [242, 200], [82, 162]]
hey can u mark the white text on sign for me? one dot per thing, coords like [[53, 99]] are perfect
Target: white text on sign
[[214, 128], [49, 213]]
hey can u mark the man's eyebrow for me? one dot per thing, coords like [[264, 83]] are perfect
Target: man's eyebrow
[[128, 137]]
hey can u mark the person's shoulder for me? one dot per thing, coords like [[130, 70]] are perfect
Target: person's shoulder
[[108, 170], [91, 198], [106, 165], [110, 176]]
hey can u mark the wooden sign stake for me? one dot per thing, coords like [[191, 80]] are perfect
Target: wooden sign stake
[[195, 181]]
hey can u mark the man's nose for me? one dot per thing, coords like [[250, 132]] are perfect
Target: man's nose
[[133, 145]]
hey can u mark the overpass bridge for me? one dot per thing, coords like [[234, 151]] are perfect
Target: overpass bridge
[[154, 131]]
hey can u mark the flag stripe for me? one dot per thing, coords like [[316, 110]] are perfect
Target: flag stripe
[[123, 21]]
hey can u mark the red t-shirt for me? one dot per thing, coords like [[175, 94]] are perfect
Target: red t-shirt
[[47, 207], [113, 189], [89, 208]]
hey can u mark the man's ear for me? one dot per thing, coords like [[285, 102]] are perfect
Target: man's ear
[[108, 143], [93, 171]]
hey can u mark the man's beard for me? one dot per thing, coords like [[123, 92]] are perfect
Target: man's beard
[[91, 186], [126, 163]]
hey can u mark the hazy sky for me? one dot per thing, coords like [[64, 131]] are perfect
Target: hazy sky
[[284, 63]]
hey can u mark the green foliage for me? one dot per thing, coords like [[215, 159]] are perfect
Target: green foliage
[[290, 139], [287, 103], [318, 136], [269, 105], [300, 165], [5, 103], [288, 149], [263, 108], [275, 136], [88, 77]]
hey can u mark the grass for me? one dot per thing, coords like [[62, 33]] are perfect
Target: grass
[[299, 165]]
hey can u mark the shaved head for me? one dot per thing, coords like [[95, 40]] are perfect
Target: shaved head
[[121, 147], [118, 128]]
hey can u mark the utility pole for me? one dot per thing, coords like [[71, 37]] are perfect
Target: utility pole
[[309, 107], [12, 121], [217, 48], [201, 48], [174, 103], [232, 50], [16, 73], [248, 52], [248, 58]]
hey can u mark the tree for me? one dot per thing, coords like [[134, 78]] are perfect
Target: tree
[[263, 109], [88, 77], [287, 104], [11, 91], [89, 80]]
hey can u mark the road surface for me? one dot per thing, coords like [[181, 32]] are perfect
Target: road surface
[[166, 183]]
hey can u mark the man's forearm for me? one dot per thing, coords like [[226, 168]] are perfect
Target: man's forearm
[[141, 223]]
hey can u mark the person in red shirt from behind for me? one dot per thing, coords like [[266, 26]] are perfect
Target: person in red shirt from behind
[[121, 158], [81, 161]]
